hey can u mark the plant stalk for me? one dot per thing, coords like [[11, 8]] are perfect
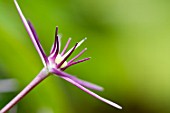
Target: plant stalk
[[39, 78]]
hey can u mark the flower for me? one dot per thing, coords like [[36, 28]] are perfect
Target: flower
[[57, 62]]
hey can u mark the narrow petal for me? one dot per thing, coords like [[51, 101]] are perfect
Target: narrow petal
[[81, 42], [55, 42], [66, 57], [59, 40], [92, 93], [82, 82], [55, 49], [76, 47], [37, 41], [33, 38], [66, 46], [76, 62], [77, 56], [89, 85]]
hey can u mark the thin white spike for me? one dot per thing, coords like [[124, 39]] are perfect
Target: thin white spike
[[29, 31], [59, 37], [81, 42], [92, 93]]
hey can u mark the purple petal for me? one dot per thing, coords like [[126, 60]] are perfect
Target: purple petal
[[88, 84], [92, 93], [55, 49], [77, 55], [76, 62], [82, 82], [54, 45], [32, 36], [37, 41], [66, 46]]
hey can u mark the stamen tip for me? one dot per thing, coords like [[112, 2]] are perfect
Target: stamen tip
[[70, 38], [100, 89], [115, 105], [85, 38], [56, 30], [119, 107]]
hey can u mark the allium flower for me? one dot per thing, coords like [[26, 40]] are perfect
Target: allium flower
[[56, 63]]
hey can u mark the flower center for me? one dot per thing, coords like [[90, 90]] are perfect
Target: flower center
[[59, 59]]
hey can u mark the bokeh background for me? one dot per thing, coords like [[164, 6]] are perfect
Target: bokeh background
[[128, 40]]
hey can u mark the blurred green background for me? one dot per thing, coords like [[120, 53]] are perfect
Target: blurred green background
[[128, 40]]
